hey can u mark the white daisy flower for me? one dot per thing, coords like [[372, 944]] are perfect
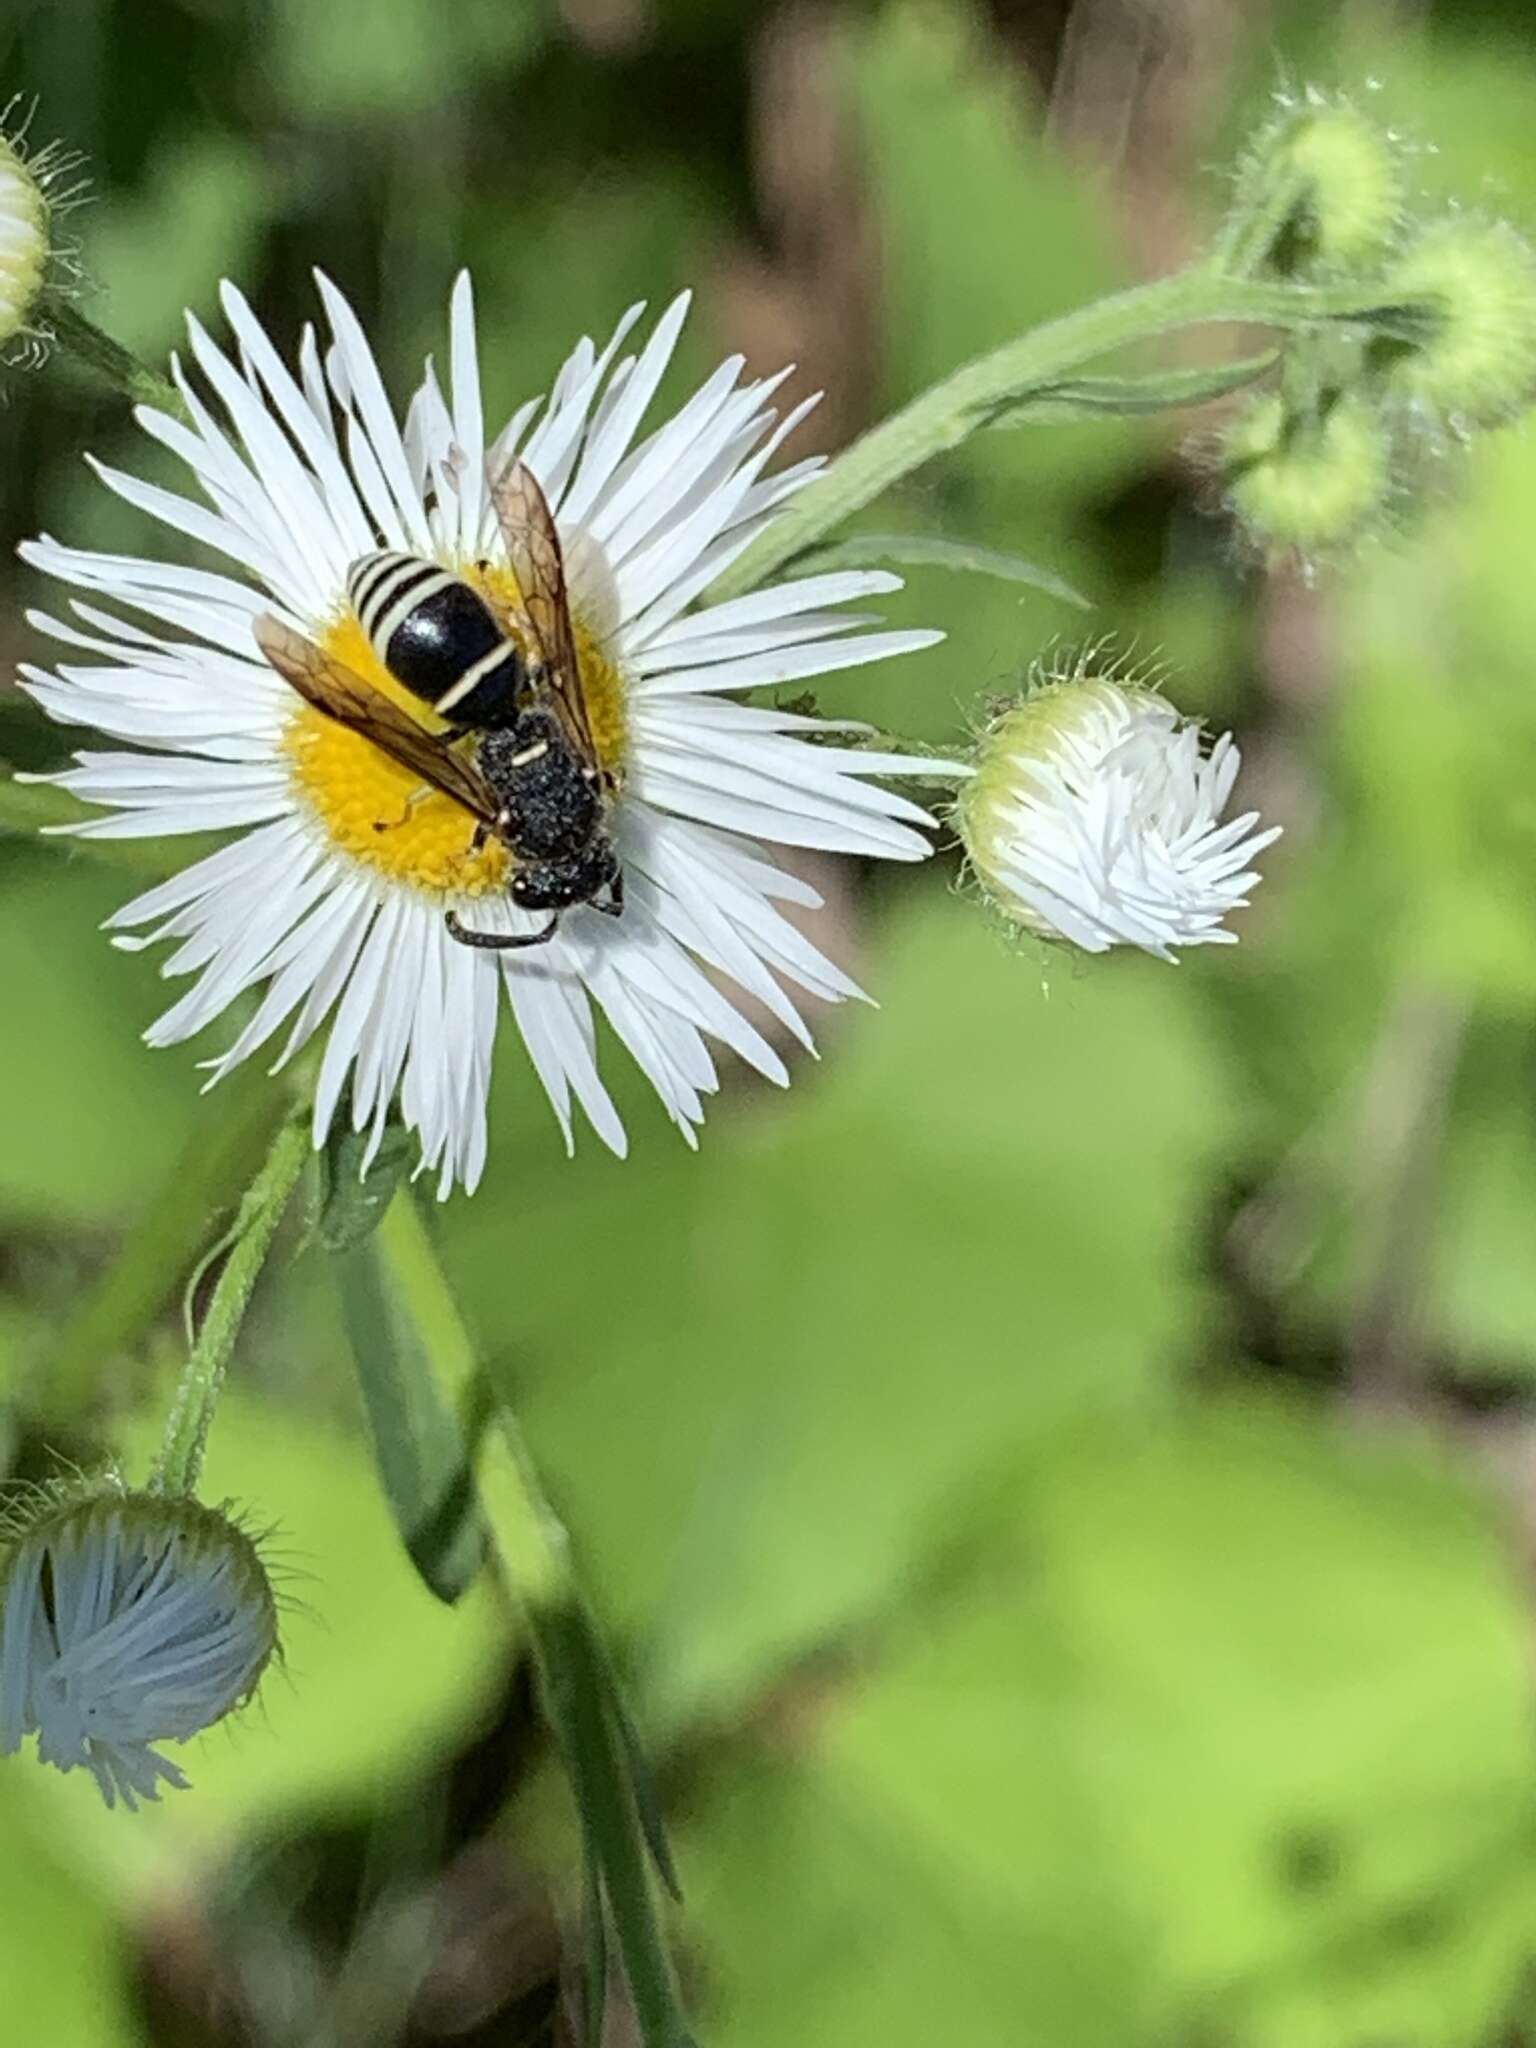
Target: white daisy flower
[[1094, 817], [127, 1619], [331, 899]]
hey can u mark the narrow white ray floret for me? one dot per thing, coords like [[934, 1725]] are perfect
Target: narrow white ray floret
[[1095, 817], [126, 1620], [328, 907]]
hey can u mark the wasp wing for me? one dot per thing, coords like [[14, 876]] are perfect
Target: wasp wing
[[342, 694], [544, 614]]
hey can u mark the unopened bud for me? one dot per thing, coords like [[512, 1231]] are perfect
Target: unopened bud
[[1315, 482], [1476, 364], [23, 243], [1326, 185], [36, 187]]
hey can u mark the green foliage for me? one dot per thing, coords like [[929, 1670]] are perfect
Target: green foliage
[[1224, 1738], [972, 1235], [1019, 1665]]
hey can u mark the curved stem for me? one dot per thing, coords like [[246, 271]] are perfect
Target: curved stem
[[180, 1461], [950, 411]]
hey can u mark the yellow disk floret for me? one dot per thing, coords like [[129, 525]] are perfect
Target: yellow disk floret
[[382, 813], [372, 807]]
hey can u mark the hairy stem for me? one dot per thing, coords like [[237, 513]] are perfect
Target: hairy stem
[[180, 1461], [950, 411]]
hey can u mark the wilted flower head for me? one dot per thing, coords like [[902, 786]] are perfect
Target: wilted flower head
[[1094, 817], [126, 1619]]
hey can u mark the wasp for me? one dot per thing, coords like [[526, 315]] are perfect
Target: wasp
[[518, 751]]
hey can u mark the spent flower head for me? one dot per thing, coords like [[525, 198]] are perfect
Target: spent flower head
[[126, 1619], [331, 903], [1095, 817]]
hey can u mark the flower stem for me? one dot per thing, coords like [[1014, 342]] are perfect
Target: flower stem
[[108, 359], [1244, 240], [180, 1461], [950, 411]]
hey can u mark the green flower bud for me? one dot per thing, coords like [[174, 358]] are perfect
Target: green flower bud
[[36, 188], [23, 243], [126, 1619], [1323, 187], [1476, 364], [1310, 482]]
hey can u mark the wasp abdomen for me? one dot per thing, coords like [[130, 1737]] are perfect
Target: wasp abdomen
[[438, 637]]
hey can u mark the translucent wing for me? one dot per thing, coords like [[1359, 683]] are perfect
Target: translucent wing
[[341, 694], [544, 617]]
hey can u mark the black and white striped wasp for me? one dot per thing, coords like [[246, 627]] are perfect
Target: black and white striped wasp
[[518, 753]]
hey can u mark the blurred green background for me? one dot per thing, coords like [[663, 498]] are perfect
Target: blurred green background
[[1063, 1479]]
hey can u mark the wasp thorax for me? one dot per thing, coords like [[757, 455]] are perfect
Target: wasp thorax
[[552, 803]]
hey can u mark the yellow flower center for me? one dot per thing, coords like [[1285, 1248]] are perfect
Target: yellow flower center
[[382, 813]]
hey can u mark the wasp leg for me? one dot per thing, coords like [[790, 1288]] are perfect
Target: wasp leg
[[614, 907], [416, 797], [500, 941]]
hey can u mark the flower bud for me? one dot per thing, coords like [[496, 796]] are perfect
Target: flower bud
[[1315, 482], [126, 1619], [23, 242], [1325, 185], [1476, 364], [1094, 818], [37, 187]]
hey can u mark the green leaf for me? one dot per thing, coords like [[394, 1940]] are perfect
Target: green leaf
[[931, 551], [581, 1701], [354, 1196], [418, 1439], [1080, 398]]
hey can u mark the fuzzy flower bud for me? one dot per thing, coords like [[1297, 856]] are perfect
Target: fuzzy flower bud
[[23, 242], [126, 1619], [1094, 817], [1477, 363], [1315, 482], [1326, 185]]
